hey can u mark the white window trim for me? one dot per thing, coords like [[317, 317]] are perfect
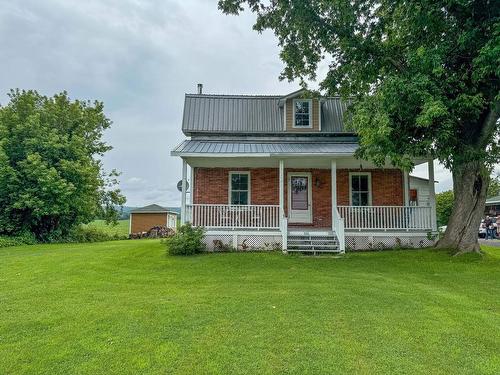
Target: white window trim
[[310, 114], [229, 189], [369, 186]]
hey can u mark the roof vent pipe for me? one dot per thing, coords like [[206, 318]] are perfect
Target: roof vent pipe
[[200, 88]]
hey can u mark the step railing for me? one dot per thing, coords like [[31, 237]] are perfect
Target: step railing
[[338, 227], [284, 230], [386, 217], [233, 216]]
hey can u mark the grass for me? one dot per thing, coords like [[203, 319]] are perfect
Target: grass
[[120, 229], [123, 307]]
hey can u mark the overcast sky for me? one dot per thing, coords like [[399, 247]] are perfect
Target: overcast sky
[[140, 57]]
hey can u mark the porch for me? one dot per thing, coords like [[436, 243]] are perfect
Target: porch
[[263, 199], [308, 213]]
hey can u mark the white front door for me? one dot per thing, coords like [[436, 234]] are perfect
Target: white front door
[[299, 198]]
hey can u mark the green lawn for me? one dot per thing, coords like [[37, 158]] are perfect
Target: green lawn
[[123, 307], [121, 228]]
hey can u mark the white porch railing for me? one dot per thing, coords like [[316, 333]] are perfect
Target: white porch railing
[[338, 227], [233, 216], [386, 217]]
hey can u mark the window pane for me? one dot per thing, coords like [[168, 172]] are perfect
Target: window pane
[[235, 197], [363, 183], [299, 196], [355, 199], [302, 113], [363, 199], [243, 197], [355, 183], [243, 182]]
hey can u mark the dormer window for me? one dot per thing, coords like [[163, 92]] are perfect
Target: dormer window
[[302, 111]]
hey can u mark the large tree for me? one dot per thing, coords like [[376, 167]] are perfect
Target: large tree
[[423, 77], [51, 176]]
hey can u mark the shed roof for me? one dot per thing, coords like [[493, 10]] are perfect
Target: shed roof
[[233, 114], [152, 209], [263, 148]]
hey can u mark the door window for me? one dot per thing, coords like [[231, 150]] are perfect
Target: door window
[[299, 193]]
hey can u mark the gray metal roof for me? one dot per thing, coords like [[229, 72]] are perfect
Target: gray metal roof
[[234, 114], [152, 208], [249, 114], [262, 148], [332, 115]]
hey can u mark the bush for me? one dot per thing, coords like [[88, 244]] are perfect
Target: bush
[[82, 234], [22, 239], [187, 241]]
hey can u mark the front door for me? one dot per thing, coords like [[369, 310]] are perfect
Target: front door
[[299, 198]]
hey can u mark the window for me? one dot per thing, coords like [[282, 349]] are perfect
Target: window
[[239, 188], [360, 187], [302, 110]]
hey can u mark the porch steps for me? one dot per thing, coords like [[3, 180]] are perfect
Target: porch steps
[[313, 242]]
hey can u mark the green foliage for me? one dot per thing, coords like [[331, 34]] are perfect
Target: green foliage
[[494, 187], [21, 239], [444, 206], [51, 176], [423, 76], [83, 234], [187, 241], [119, 228]]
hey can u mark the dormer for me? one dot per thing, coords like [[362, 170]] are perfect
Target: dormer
[[302, 114]]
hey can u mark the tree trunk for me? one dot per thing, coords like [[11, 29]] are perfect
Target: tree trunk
[[470, 182]]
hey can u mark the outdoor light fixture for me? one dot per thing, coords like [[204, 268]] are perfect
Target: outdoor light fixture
[[318, 182]]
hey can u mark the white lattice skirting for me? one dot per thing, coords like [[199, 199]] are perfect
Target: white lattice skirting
[[242, 242], [381, 242]]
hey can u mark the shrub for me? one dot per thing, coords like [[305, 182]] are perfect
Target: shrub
[[82, 234], [187, 241], [21, 239]]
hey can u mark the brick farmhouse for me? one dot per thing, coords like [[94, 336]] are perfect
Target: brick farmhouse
[[280, 172]]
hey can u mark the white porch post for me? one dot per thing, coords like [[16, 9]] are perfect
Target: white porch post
[[183, 195], [406, 188], [283, 222], [191, 187], [432, 194], [333, 167], [282, 191]]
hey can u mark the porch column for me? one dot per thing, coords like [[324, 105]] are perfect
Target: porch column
[[406, 188], [333, 172], [191, 187], [432, 194], [282, 222], [282, 190], [183, 195]]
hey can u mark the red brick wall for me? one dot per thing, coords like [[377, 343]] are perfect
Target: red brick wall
[[211, 187], [387, 186]]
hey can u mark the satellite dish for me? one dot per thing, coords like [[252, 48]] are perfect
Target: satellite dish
[[179, 185]]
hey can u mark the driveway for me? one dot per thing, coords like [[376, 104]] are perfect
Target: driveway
[[495, 243]]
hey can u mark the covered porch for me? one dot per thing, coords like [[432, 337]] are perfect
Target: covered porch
[[313, 194]]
